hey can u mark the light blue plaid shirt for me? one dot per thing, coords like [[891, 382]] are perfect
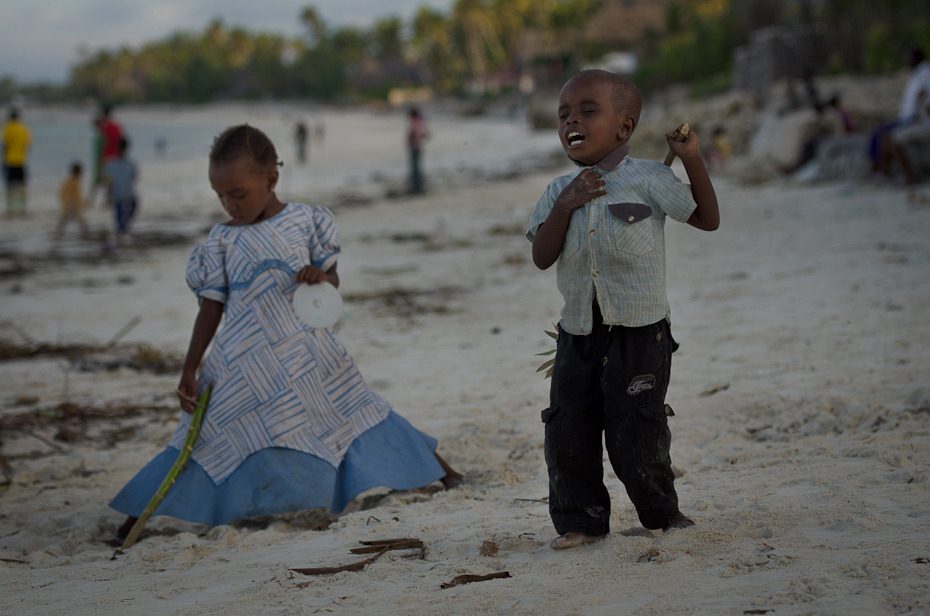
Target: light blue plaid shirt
[[619, 262]]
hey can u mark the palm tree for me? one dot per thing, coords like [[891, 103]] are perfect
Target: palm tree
[[431, 41], [477, 35]]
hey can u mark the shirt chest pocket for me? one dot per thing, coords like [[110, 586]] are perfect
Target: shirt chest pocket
[[632, 227]]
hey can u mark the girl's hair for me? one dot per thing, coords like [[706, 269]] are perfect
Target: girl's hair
[[244, 140]]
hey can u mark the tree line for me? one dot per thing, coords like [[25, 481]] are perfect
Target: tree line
[[477, 41], [445, 51]]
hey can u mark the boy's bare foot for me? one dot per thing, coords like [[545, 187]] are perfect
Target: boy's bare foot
[[679, 521], [573, 539]]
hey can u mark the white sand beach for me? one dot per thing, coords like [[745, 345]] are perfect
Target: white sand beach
[[801, 436]]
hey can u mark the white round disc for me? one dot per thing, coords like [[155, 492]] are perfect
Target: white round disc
[[317, 305]]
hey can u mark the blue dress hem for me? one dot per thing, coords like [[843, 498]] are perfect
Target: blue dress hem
[[393, 454]]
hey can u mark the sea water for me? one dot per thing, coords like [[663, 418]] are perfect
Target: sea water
[[350, 150]]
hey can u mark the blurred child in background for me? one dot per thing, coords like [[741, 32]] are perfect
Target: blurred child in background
[[72, 202], [120, 175]]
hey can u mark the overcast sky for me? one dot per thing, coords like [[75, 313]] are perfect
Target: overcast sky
[[39, 39]]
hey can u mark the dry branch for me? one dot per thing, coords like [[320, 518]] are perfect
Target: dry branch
[[469, 578], [391, 544], [378, 547], [350, 567], [682, 134], [186, 449]]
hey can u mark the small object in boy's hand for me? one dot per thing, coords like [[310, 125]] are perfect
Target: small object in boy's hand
[[317, 305], [683, 132]]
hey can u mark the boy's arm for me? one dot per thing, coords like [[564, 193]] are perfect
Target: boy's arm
[[547, 244], [707, 215]]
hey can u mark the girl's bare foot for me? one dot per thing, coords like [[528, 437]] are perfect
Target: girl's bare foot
[[453, 480], [452, 477], [123, 531], [572, 539]]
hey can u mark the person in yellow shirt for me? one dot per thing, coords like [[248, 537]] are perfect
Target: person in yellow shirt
[[72, 203], [16, 141]]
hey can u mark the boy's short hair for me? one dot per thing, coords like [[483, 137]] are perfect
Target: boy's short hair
[[624, 94], [123, 144], [244, 140], [76, 168]]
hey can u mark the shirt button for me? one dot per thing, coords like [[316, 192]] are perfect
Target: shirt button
[[631, 218], [594, 273], [592, 232]]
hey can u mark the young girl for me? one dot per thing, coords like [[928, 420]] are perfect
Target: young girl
[[290, 424]]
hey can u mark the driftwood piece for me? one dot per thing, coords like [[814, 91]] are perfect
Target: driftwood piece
[[350, 567], [468, 578], [378, 547], [683, 131], [391, 544]]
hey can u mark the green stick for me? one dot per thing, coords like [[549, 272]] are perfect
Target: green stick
[[186, 449]]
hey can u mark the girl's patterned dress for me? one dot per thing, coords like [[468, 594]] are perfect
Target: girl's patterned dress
[[291, 424]]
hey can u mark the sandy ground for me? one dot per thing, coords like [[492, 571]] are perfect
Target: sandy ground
[[800, 438]]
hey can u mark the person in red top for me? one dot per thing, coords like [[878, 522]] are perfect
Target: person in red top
[[106, 146], [111, 133]]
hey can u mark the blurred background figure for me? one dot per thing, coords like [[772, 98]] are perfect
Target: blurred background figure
[[836, 104], [72, 201], [106, 147], [16, 141], [914, 128], [121, 175], [720, 150], [416, 137], [300, 141], [912, 124]]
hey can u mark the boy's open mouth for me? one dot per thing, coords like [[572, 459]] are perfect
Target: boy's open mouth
[[574, 138]]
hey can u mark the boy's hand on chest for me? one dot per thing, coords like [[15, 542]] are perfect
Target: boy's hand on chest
[[587, 186]]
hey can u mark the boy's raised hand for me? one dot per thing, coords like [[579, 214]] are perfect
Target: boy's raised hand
[[683, 149], [586, 186]]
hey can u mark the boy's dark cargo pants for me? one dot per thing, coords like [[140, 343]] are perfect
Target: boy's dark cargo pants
[[611, 382]]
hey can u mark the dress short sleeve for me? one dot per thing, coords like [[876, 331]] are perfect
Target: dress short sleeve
[[324, 241], [206, 269]]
